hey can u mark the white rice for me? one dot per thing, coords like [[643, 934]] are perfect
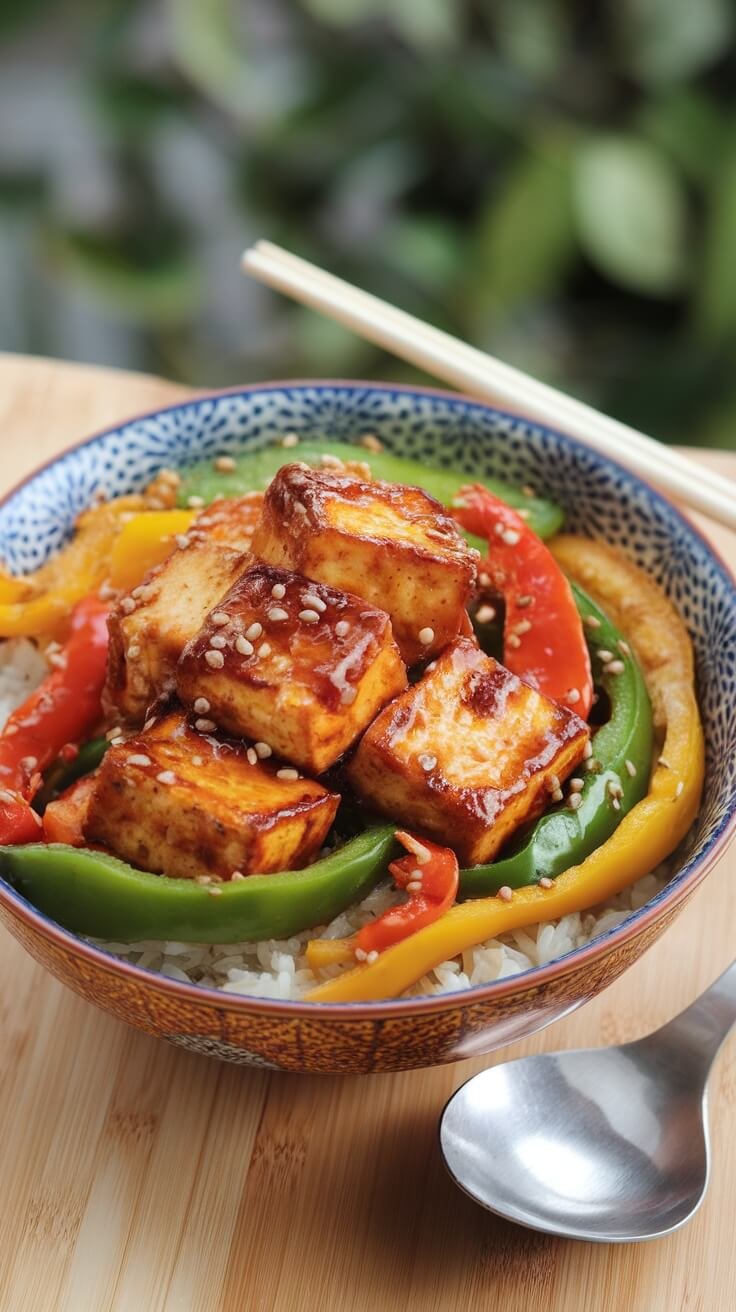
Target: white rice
[[22, 668], [278, 968]]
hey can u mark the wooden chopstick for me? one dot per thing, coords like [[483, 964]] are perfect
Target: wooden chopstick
[[473, 371]]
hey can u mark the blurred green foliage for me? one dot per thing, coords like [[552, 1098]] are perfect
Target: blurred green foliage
[[554, 180]]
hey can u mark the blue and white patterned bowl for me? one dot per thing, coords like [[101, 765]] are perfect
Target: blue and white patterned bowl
[[601, 499]]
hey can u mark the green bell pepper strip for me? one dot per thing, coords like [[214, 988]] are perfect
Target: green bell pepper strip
[[95, 894], [62, 774], [562, 838], [255, 469]]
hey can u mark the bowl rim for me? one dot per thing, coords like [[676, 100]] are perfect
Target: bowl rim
[[677, 890]]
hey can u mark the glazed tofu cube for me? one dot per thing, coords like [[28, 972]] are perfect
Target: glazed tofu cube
[[392, 545], [150, 626], [467, 754], [183, 803], [293, 664], [230, 521]]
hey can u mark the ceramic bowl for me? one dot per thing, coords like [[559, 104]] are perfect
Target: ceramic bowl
[[602, 500]]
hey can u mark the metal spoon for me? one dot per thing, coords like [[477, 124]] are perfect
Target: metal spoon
[[605, 1144]]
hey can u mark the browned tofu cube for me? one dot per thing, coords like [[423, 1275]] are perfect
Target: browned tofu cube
[[230, 521], [467, 754], [150, 625], [187, 804], [293, 664], [392, 545]]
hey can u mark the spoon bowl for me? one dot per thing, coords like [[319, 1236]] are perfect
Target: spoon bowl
[[608, 1144]]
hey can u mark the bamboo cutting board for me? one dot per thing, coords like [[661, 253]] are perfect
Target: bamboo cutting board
[[136, 1176]]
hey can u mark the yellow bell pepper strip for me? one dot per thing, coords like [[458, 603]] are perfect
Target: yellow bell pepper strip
[[70, 575], [144, 541], [645, 836], [12, 588]]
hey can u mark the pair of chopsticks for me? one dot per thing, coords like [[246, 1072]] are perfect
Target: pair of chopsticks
[[473, 371]]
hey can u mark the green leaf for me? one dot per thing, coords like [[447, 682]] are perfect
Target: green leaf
[[525, 238], [631, 215], [425, 24], [716, 301], [688, 127], [533, 34], [671, 40], [164, 289]]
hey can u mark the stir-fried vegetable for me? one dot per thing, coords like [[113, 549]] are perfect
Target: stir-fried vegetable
[[645, 837], [62, 710], [253, 471], [544, 641], [93, 893]]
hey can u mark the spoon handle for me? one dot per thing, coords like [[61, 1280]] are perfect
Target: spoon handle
[[707, 1022]]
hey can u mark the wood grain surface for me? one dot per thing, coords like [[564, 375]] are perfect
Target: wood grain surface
[[136, 1176]]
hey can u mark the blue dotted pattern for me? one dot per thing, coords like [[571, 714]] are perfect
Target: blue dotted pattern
[[601, 499]]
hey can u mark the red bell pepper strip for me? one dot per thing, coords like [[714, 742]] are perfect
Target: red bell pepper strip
[[430, 875], [544, 642], [63, 708]]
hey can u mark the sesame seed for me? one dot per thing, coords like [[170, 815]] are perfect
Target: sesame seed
[[170, 476], [29, 762], [577, 785], [661, 760], [278, 591], [133, 651], [679, 789], [114, 733], [348, 695], [252, 756], [557, 795], [513, 640], [254, 631], [592, 622], [166, 777], [554, 782], [485, 614], [220, 618], [198, 760], [546, 883], [299, 508], [7, 796], [593, 764], [372, 956], [614, 667], [289, 440], [309, 599], [214, 892], [528, 491], [138, 592], [484, 579], [574, 801], [426, 636], [524, 601], [331, 462], [237, 874], [262, 750], [605, 655], [510, 537], [106, 592], [414, 886], [276, 613], [342, 628], [572, 695], [623, 647], [432, 666], [522, 627], [139, 758], [505, 893], [361, 955], [615, 803], [201, 706], [244, 647], [287, 773], [127, 605], [427, 761], [195, 502], [264, 649], [214, 659], [224, 464], [204, 726], [371, 443], [309, 616], [203, 879], [587, 750], [218, 642], [630, 768]]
